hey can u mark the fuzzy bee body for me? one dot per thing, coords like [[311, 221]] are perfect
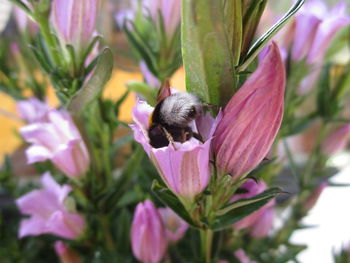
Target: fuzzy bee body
[[171, 118]]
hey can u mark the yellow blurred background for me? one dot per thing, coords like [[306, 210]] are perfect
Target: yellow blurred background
[[10, 122]]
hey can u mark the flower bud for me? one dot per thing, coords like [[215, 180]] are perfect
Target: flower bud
[[75, 21], [66, 254], [148, 238], [260, 222], [58, 140], [310, 202], [252, 118], [174, 225], [336, 141]]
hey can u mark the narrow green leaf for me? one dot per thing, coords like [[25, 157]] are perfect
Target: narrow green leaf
[[242, 208], [264, 39], [169, 199], [92, 89], [251, 19], [141, 47], [206, 51], [234, 27], [149, 93]]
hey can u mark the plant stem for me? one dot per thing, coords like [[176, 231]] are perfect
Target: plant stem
[[206, 244]]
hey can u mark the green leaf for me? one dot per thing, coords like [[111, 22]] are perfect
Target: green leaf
[[234, 27], [142, 47], [93, 88], [206, 51], [23, 6], [238, 210], [264, 39], [252, 15], [169, 199], [149, 93]]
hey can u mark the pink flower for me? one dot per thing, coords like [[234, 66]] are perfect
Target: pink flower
[[241, 255], [184, 167], [312, 199], [148, 238], [48, 213], [150, 79], [33, 110], [23, 21], [336, 141], [315, 28], [252, 118], [66, 254], [169, 9], [58, 140], [260, 222], [175, 227], [75, 21]]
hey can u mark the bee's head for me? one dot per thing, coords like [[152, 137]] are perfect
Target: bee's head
[[179, 109]]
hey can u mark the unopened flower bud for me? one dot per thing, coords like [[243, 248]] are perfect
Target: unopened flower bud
[[252, 118]]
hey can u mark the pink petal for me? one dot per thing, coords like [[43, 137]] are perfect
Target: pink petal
[[31, 227]]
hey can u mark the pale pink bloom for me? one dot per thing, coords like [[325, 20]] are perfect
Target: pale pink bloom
[[148, 237], [169, 9], [33, 110], [58, 140], [336, 141], [311, 201], [48, 213], [184, 167], [75, 21], [252, 118], [315, 28], [23, 21], [260, 222], [175, 226], [66, 254], [241, 255]]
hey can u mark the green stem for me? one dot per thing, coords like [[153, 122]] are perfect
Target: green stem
[[314, 156], [206, 244]]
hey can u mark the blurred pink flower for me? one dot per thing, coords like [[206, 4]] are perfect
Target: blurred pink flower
[[241, 255], [150, 79], [33, 110], [66, 254], [58, 140], [175, 227], [48, 213], [185, 167], [260, 222], [75, 21], [312, 199], [315, 27], [23, 21], [252, 118], [169, 9], [336, 141], [148, 236]]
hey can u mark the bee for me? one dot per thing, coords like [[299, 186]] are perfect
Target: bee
[[171, 118]]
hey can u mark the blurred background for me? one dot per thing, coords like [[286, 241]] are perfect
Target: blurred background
[[330, 217]]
